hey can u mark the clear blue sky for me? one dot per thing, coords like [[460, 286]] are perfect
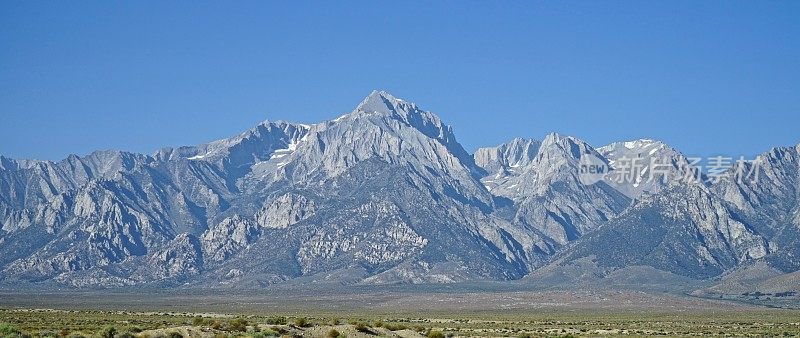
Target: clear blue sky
[[707, 77]]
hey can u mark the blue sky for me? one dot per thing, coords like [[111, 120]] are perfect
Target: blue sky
[[707, 77]]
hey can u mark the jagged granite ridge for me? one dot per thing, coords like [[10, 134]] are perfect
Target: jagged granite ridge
[[383, 194]]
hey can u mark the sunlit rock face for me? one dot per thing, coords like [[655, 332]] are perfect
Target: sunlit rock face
[[383, 194]]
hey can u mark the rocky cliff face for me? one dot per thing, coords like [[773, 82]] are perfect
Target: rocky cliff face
[[548, 194], [686, 231], [506, 157], [646, 167], [766, 194], [383, 194]]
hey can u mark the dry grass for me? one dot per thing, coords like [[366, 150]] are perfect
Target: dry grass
[[578, 323]]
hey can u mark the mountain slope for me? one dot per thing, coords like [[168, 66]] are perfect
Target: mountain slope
[[111, 208], [766, 193], [695, 229], [684, 230], [385, 189], [544, 183], [646, 167], [386, 194]]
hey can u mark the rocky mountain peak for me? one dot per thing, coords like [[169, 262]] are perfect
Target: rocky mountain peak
[[646, 166], [382, 105], [565, 150], [383, 194], [638, 144], [518, 152], [383, 126], [383, 102]]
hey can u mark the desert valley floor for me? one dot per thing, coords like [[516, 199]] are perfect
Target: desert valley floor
[[386, 313]]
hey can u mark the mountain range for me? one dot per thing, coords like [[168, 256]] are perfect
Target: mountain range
[[385, 195]]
